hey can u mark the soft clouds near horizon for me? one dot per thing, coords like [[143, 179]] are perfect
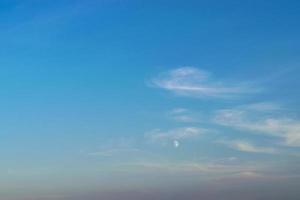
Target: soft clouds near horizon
[[149, 100]]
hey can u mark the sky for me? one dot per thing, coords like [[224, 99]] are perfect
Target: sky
[[151, 100]]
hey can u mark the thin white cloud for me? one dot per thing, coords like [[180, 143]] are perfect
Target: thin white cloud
[[205, 168], [183, 115], [245, 146], [175, 134], [190, 81], [259, 122], [213, 169], [179, 110], [113, 152], [116, 147], [262, 106]]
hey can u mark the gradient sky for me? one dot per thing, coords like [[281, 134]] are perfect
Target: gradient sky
[[151, 100]]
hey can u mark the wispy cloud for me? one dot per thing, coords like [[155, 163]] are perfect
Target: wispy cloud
[[259, 122], [114, 151], [183, 115], [175, 134], [190, 81], [246, 146], [116, 147], [262, 106], [205, 168]]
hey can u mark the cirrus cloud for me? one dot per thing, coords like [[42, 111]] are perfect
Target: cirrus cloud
[[250, 119], [246, 146], [175, 134], [193, 82]]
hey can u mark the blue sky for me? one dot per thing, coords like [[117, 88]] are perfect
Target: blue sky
[[130, 99]]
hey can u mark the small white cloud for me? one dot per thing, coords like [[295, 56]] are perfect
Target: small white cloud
[[190, 81], [246, 146]]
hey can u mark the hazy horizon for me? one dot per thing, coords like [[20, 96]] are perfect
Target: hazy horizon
[[149, 100]]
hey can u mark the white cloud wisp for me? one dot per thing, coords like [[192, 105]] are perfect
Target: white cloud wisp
[[258, 122], [190, 81]]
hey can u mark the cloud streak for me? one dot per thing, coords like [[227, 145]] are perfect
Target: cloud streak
[[245, 146], [205, 168], [190, 81], [259, 122], [113, 152], [175, 134], [183, 115]]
